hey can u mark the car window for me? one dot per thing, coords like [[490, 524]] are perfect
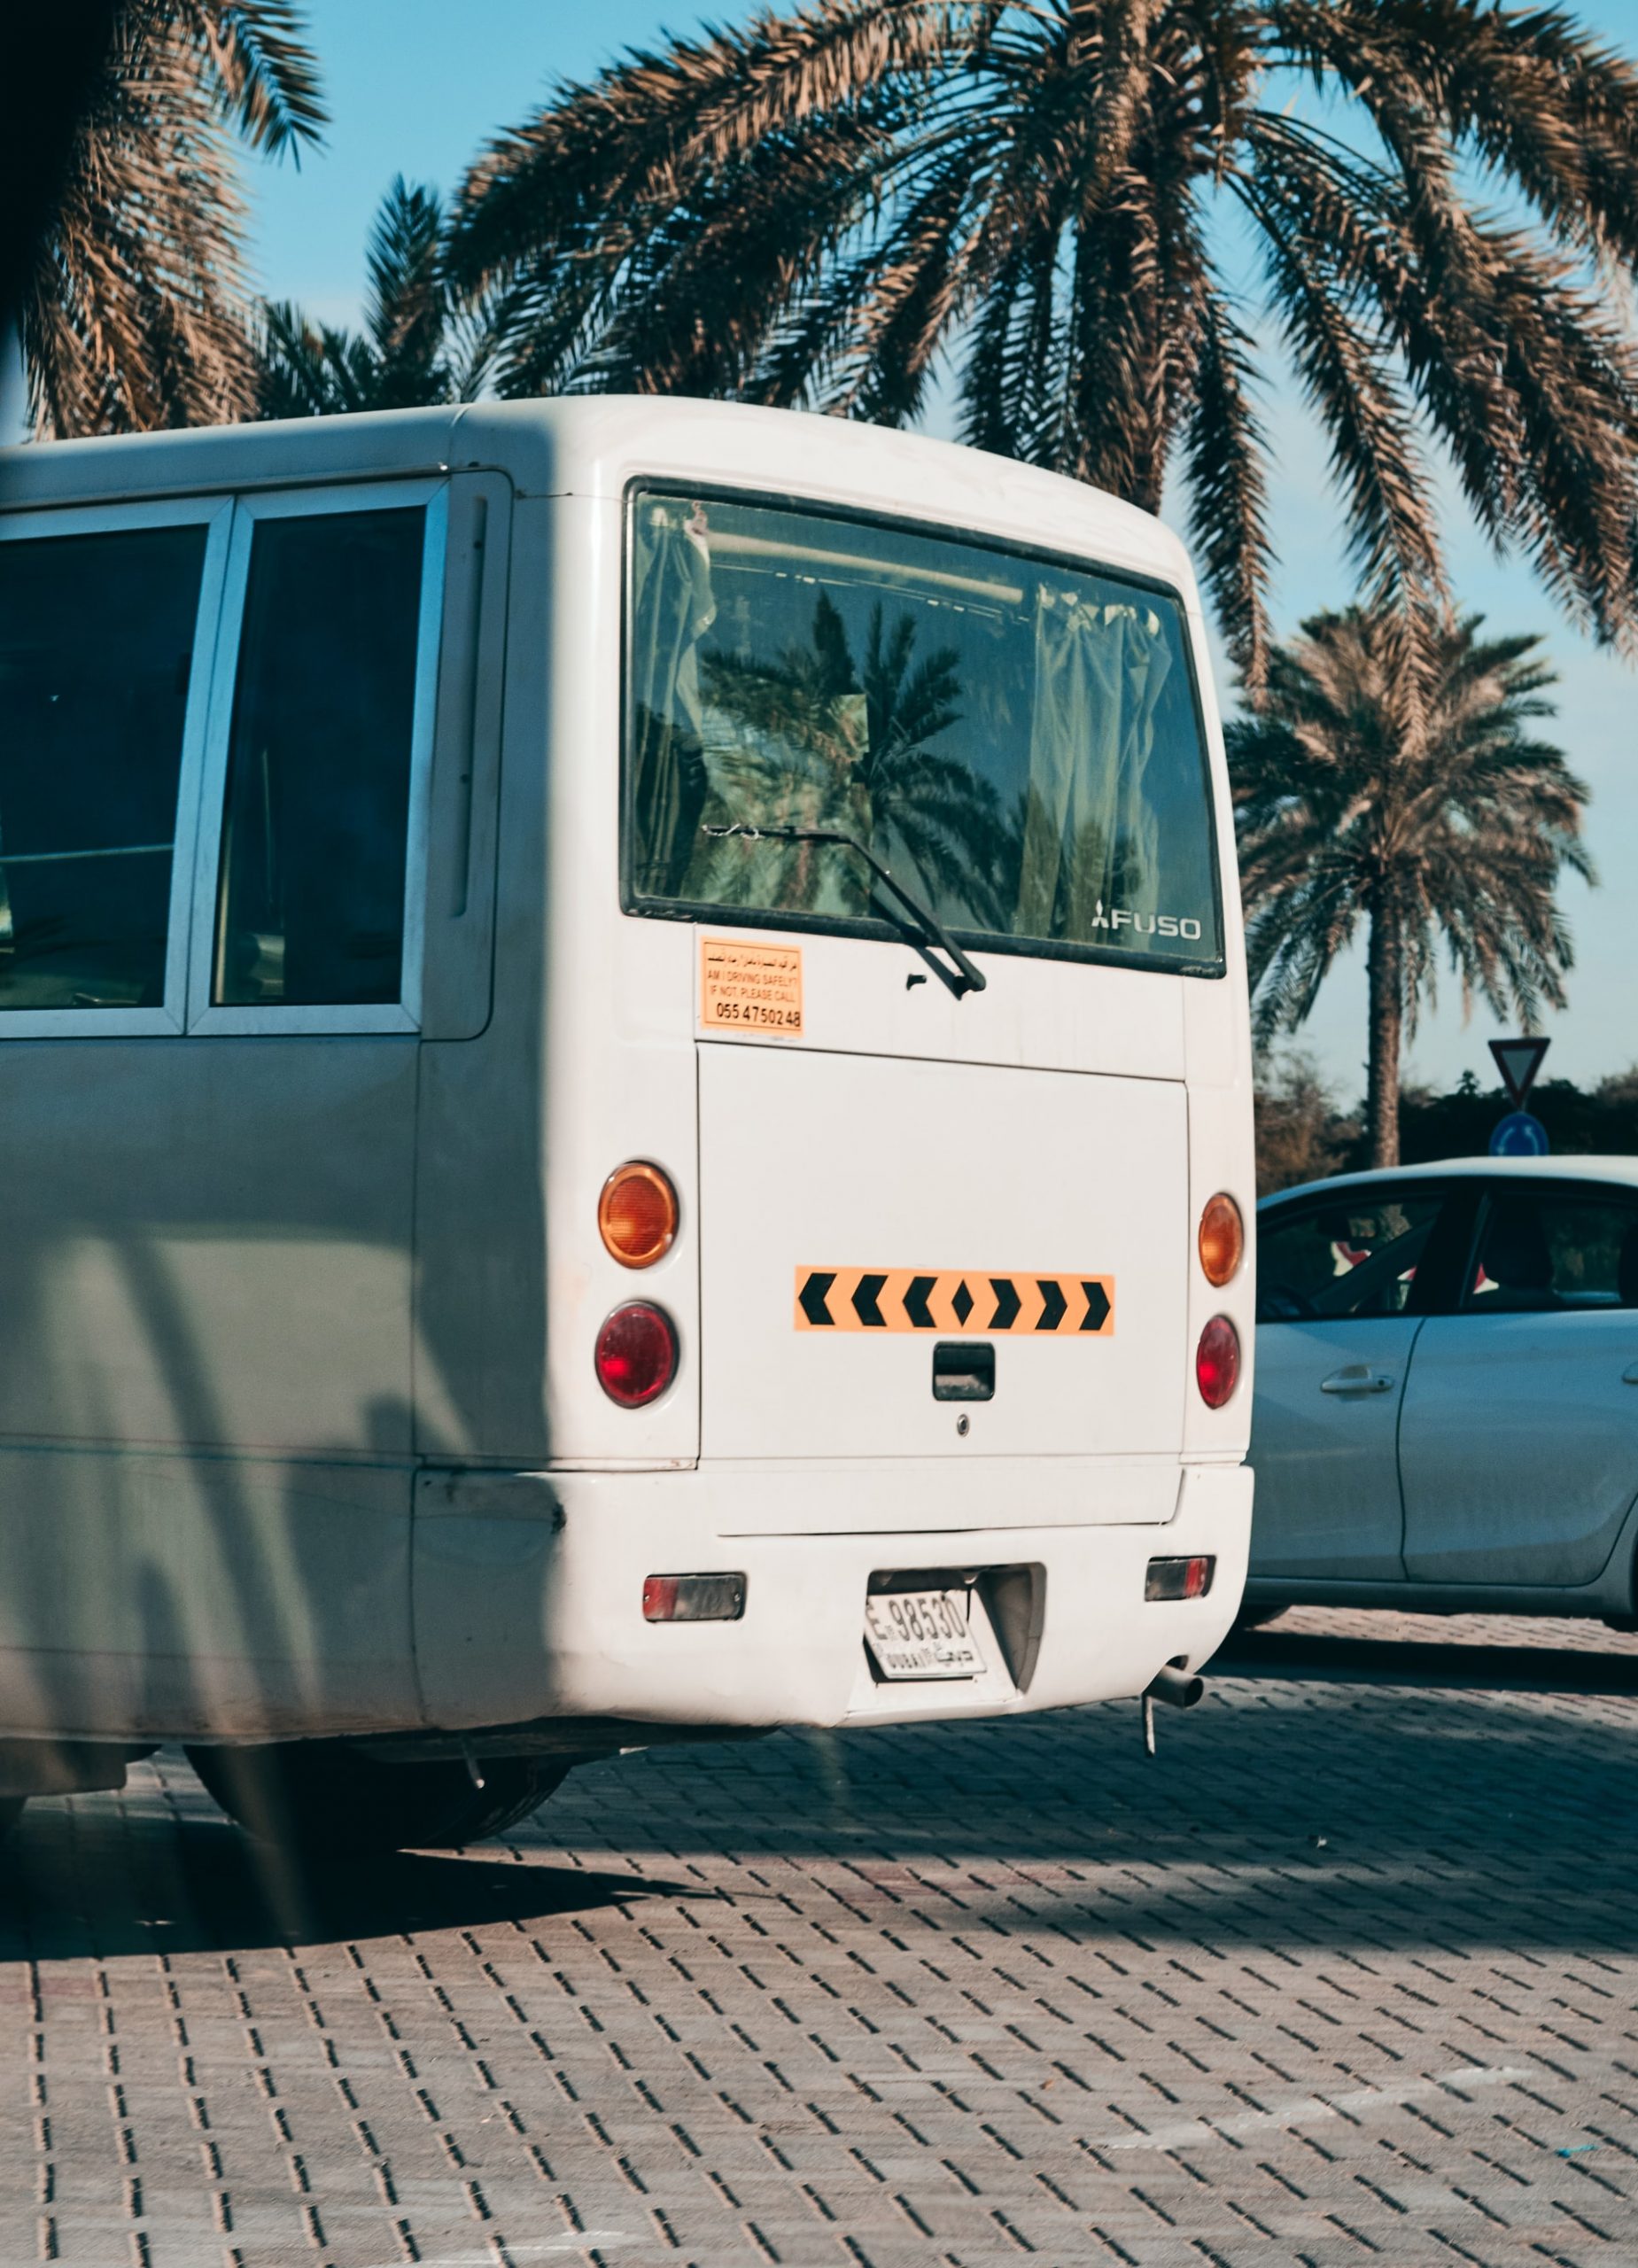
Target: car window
[[1352, 1254], [95, 648], [1555, 1251], [315, 835]]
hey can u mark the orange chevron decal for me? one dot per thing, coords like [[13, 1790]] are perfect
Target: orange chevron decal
[[971, 1301]]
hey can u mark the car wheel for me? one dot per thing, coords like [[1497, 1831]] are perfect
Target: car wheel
[[1627, 1624], [324, 1798], [1253, 1616]]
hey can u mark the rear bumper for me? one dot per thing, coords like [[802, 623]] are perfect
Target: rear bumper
[[529, 1588]]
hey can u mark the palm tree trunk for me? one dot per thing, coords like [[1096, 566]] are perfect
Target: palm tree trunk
[[1386, 1015]]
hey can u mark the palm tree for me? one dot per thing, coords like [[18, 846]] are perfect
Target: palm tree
[[1062, 196], [132, 309], [1454, 827], [416, 345]]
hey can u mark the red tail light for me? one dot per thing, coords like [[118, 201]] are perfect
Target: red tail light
[[693, 1598], [636, 1355], [1176, 1579], [1217, 1362]]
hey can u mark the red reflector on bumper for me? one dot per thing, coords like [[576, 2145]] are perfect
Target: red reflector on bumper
[[693, 1598], [1179, 1578]]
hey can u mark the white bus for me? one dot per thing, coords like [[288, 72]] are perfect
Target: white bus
[[625, 1102]]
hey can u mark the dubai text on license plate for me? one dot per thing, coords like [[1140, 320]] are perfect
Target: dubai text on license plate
[[923, 1633]]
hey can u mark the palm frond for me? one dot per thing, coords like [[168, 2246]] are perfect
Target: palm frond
[[1537, 98], [650, 129], [254, 53], [1352, 386], [135, 313], [817, 207], [1225, 462], [416, 346]]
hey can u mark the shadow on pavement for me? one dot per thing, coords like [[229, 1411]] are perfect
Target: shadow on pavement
[[1421, 1662], [1278, 1812], [101, 1881], [1343, 1793]]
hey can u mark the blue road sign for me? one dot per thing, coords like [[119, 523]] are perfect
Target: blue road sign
[[1519, 1135]]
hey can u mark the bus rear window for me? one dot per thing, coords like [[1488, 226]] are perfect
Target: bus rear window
[[1016, 740]]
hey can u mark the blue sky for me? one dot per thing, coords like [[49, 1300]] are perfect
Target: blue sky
[[416, 85]]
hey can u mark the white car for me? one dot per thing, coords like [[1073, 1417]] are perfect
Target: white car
[[1445, 1413]]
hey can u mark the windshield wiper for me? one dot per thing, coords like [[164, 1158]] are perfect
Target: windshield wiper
[[962, 978]]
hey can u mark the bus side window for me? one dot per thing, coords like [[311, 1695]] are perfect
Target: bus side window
[[97, 636], [310, 899]]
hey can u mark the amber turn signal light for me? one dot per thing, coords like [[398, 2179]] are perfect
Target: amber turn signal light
[[1222, 1239], [637, 1215]]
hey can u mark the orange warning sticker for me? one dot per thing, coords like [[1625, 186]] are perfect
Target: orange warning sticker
[[950, 1300], [750, 988]]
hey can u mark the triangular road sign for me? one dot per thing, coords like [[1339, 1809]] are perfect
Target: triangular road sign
[[1519, 1060]]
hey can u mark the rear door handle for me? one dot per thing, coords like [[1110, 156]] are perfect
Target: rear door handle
[[1629, 1376], [1357, 1377]]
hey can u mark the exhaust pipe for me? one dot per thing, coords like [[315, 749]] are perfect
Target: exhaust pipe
[[1178, 1687]]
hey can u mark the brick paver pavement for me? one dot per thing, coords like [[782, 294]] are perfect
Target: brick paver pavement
[[1346, 1975]]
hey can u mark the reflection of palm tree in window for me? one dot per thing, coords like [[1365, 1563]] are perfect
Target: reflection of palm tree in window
[[1088, 883], [820, 743], [1076, 889]]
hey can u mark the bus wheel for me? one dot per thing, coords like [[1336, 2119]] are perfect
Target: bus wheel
[[326, 1799]]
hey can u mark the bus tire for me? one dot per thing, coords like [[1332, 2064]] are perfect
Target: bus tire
[[326, 1799]]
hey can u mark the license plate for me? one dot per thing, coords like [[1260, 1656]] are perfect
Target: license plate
[[923, 1633]]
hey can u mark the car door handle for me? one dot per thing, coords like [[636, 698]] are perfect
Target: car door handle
[[1357, 1377], [1629, 1376]]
